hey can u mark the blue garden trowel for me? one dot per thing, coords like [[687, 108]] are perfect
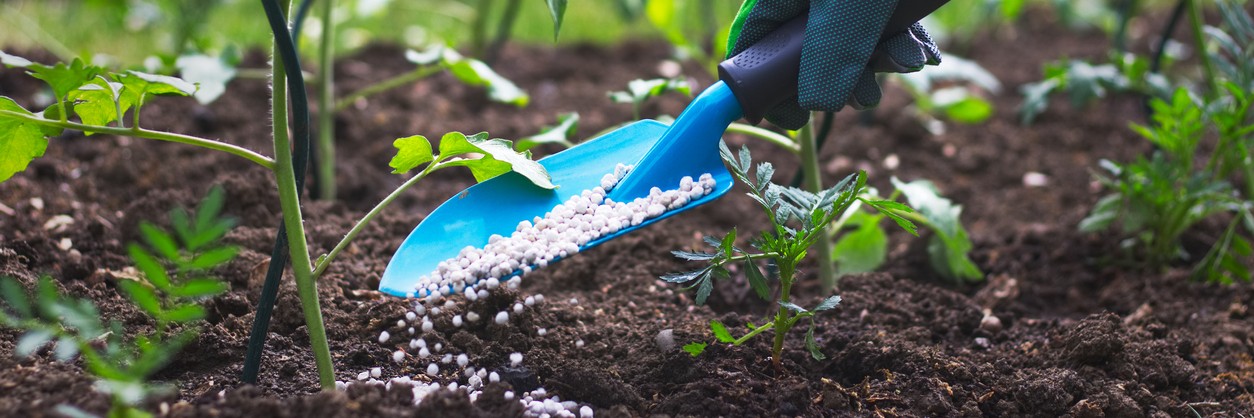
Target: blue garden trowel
[[752, 82]]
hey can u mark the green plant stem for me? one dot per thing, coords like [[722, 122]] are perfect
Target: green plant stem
[[782, 317], [1195, 20], [810, 168], [479, 29], [503, 30], [755, 332], [773, 137], [134, 132], [325, 261], [289, 201], [385, 85], [326, 105]]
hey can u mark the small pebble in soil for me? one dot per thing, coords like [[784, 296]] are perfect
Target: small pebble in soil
[[398, 356], [457, 321], [376, 372], [518, 308], [433, 369], [991, 324], [515, 359], [579, 344], [472, 317], [383, 337], [665, 340], [542, 331]]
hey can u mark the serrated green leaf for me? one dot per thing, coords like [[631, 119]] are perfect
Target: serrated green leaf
[[159, 240], [720, 331], [828, 303], [98, 102], [694, 256], [65, 78], [1103, 214], [559, 134], [199, 288], [411, 152], [891, 209], [15, 296], [684, 277], [13, 61], [147, 264], [213, 258], [66, 349], [557, 10], [862, 250], [1036, 99], [209, 74], [756, 280], [208, 210], [20, 141], [640, 91], [476, 73], [813, 345], [949, 248], [695, 349], [183, 313], [728, 244], [159, 84], [31, 341], [703, 290], [142, 296], [792, 307]]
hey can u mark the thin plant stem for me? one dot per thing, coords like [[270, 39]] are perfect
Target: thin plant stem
[[289, 201], [810, 166], [755, 332], [325, 261], [786, 271], [134, 132], [385, 85], [1195, 21], [767, 135], [326, 105]]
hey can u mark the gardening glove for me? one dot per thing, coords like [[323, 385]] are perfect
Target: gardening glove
[[840, 54]]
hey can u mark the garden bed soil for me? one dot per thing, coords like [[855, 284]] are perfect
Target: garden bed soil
[[1079, 335]]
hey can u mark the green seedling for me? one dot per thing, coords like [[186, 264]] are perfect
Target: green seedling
[[953, 90], [641, 91], [797, 222], [1084, 83], [100, 99], [561, 134], [1154, 201], [174, 279]]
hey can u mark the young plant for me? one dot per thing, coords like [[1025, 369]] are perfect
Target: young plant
[[797, 221], [1156, 200], [99, 98], [640, 91], [1084, 83], [174, 279], [953, 90]]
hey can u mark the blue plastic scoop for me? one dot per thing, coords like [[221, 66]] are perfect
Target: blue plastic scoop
[[753, 82]]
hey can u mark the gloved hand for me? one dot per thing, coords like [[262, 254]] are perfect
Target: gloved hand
[[840, 54]]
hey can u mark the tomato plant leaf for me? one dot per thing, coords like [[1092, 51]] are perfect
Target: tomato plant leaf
[[684, 277], [213, 258], [65, 78], [813, 345], [143, 296], [720, 331], [209, 74], [948, 248], [703, 291], [100, 102], [559, 134], [694, 256], [498, 157], [476, 73], [160, 84], [640, 91], [66, 349], [863, 249], [186, 312], [756, 280], [15, 296], [893, 210], [695, 349], [31, 341], [14, 61], [411, 152], [147, 264], [557, 10], [160, 240], [199, 288], [793, 307], [828, 303], [20, 141]]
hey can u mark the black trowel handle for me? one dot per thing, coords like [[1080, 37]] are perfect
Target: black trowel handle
[[765, 74]]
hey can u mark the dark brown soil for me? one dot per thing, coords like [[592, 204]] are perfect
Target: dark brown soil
[[1079, 336]]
